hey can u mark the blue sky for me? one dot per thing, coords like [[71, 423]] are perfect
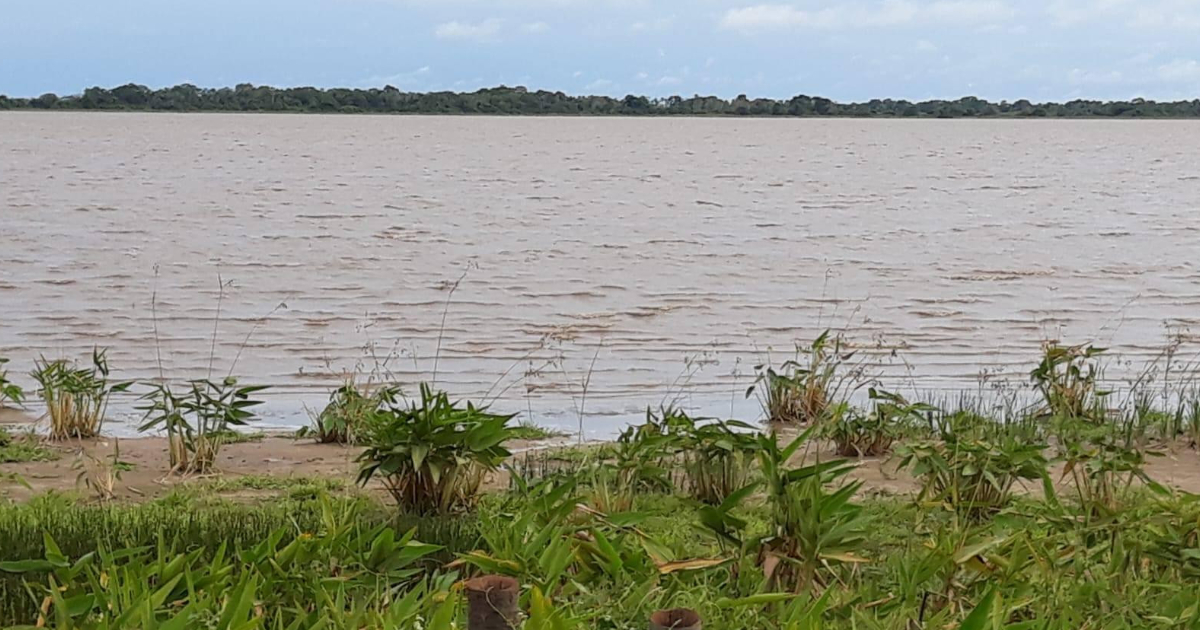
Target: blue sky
[[843, 49]]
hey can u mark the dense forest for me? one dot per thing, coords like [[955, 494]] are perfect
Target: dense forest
[[520, 101]]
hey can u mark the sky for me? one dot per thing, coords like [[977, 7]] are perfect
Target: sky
[[842, 49]]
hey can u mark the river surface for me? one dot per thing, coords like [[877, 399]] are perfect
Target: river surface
[[602, 264]]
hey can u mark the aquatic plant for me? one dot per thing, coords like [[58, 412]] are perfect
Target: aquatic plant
[[197, 420], [10, 392], [714, 457], [433, 454], [871, 434], [802, 392], [1102, 464], [970, 475], [350, 408], [76, 398], [1067, 379]]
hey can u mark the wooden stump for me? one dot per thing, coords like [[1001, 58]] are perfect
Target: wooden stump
[[675, 619], [492, 603]]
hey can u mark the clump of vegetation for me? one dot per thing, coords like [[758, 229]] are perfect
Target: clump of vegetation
[[432, 455], [527, 430], [100, 476], [804, 392], [1067, 379], [810, 527], [229, 436], [10, 392], [871, 434], [973, 475], [23, 448], [351, 406], [638, 462], [714, 457], [1103, 465], [341, 574], [681, 512], [198, 420], [76, 398]]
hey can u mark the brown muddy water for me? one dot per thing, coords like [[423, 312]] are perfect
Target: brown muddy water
[[675, 254]]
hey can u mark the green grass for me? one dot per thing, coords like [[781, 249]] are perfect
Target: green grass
[[533, 432], [600, 536], [915, 555], [290, 487], [230, 436], [24, 448]]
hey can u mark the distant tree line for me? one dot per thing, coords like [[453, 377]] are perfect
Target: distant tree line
[[520, 101]]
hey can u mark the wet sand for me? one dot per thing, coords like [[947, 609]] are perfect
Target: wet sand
[[284, 457], [665, 257], [272, 456]]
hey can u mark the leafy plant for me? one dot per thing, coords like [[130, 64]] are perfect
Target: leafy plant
[[1102, 465], [101, 475], [9, 391], [810, 527], [432, 455], [871, 434], [1067, 379], [716, 456], [76, 398], [529, 536], [197, 421], [973, 476], [350, 408], [802, 393], [636, 463], [543, 535], [344, 575]]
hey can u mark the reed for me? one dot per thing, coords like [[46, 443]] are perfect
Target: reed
[[76, 398]]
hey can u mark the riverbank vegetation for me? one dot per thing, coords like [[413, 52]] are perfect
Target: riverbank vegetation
[[1035, 516], [521, 101]]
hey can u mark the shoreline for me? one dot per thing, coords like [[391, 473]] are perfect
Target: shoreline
[[613, 116], [281, 458]]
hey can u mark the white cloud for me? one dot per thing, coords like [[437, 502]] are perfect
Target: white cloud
[[1079, 76], [599, 84], [1166, 15], [968, 11], [924, 45], [669, 80], [411, 78], [1146, 14], [863, 15], [485, 31], [1179, 71], [535, 27], [659, 24]]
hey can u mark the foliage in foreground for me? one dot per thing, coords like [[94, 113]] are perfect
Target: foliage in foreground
[[432, 454], [343, 574], [1032, 565]]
